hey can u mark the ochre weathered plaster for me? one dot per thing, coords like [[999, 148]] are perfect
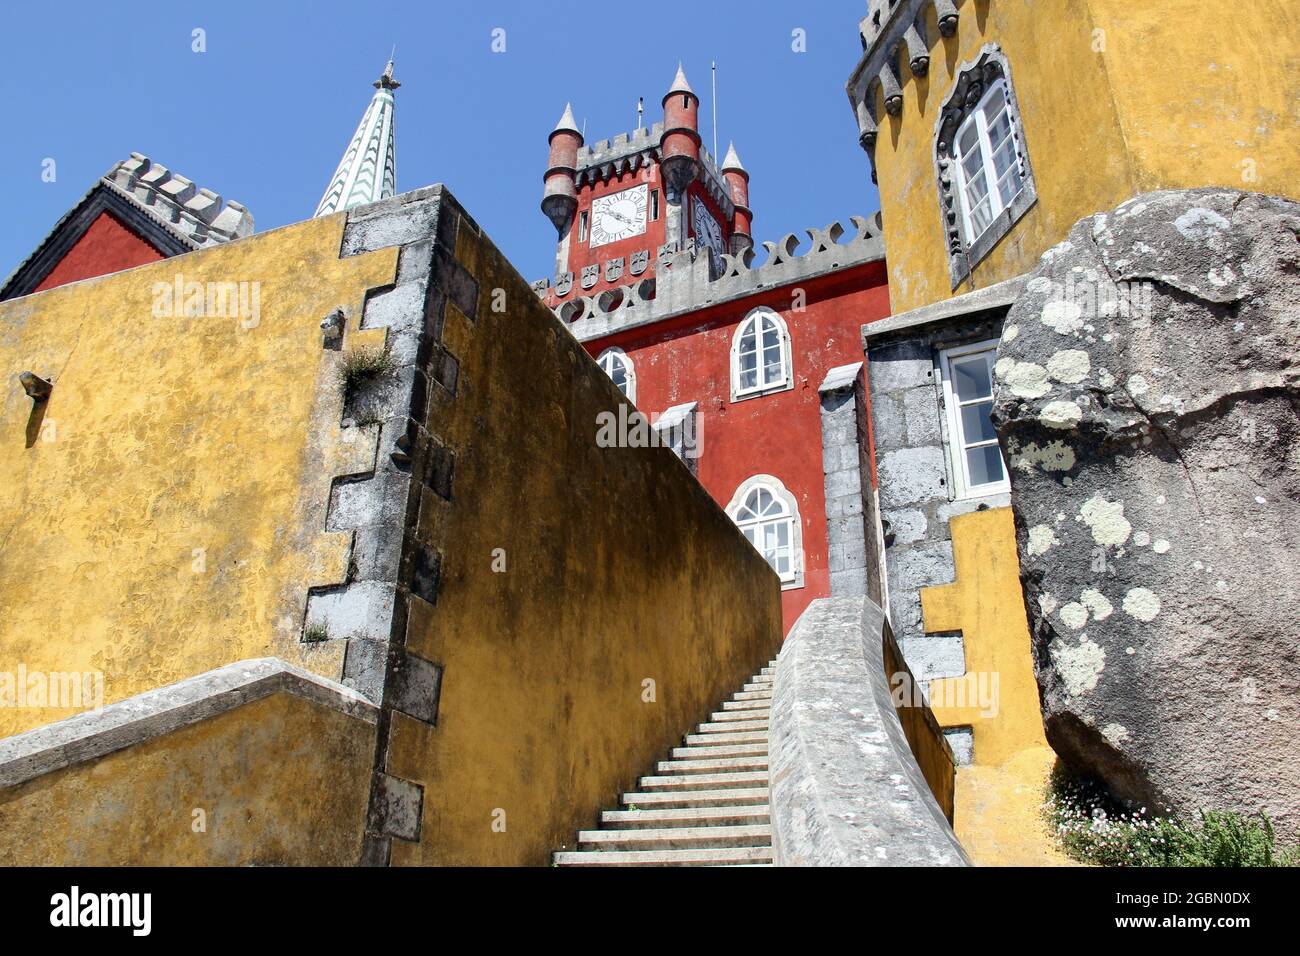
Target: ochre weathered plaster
[[280, 781], [999, 801], [164, 512], [1166, 95], [618, 570]]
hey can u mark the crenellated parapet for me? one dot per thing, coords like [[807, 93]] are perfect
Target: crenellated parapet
[[197, 213], [893, 33], [626, 152], [685, 279]]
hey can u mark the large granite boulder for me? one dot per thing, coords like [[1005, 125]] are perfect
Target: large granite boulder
[[1147, 401]]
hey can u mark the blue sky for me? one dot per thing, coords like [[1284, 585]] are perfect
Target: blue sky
[[264, 114]]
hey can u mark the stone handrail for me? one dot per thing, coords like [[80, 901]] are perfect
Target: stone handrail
[[846, 786]]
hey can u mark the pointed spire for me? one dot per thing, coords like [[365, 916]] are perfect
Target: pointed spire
[[733, 160], [567, 123], [368, 170], [679, 82]]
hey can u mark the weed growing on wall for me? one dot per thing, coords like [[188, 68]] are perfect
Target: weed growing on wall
[[361, 367], [1093, 828]]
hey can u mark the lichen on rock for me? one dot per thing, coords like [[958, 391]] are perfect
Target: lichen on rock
[[1157, 357]]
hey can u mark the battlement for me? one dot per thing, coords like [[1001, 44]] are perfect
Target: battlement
[[686, 281], [197, 213], [622, 147], [628, 152]]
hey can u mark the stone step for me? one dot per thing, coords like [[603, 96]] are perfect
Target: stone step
[[759, 685], [753, 695], [700, 797], [705, 781], [731, 706], [725, 715], [712, 765], [685, 817], [718, 740], [675, 838], [733, 727], [700, 856], [757, 748]]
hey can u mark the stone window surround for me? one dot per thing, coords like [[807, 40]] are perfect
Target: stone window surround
[[777, 487], [955, 337], [628, 365], [993, 64], [734, 357]]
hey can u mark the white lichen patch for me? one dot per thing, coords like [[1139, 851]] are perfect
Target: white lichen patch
[[1041, 537], [1046, 604], [1137, 385], [1141, 539], [1105, 379], [1070, 366], [1060, 415], [1010, 332], [1025, 379], [1222, 277], [1141, 604], [1200, 223], [1063, 316], [1096, 602], [1074, 615], [1054, 456], [1060, 249], [1080, 667], [1116, 734], [1106, 520], [1161, 546]]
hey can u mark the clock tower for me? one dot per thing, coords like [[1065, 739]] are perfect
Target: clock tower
[[620, 204]]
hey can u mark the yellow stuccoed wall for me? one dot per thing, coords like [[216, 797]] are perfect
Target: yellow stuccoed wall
[[998, 812], [619, 569], [280, 781], [1178, 96], [174, 518]]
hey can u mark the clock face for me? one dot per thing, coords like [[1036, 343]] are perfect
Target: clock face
[[707, 231], [619, 216]]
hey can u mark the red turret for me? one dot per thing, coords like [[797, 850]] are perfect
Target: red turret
[[560, 196], [742, 236], [680, 145]]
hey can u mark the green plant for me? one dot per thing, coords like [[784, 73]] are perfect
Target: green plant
[[360, 367], [313, 633], [1093, 828]]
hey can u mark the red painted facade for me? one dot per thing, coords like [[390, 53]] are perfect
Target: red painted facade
[[107, 246], [689, 359]]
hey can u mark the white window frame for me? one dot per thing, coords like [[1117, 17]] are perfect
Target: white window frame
[[608, 357], [957, 444], [781, 383], [978, 118], [794, 578]]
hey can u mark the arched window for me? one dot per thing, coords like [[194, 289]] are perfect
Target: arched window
[[760, 356], [767, 514], [615, 363], [981, 162]]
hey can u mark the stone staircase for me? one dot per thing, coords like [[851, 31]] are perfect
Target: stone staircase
[[706, 806]]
